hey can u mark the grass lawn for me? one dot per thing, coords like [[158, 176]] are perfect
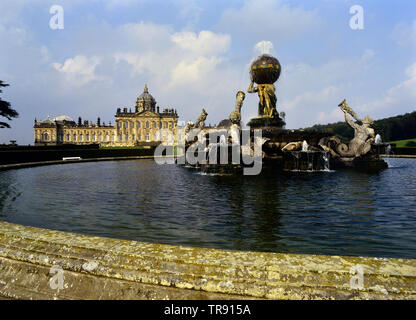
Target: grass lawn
[[408, 143]]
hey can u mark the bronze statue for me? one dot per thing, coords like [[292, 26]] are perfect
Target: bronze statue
[[200, 122], [265, 71], [235, 115], [267, 98], [189, 126]]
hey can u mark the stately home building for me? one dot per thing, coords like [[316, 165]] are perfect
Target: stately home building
[[141, 127]]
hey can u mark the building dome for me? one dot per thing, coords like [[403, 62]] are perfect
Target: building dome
[[63, 118], [47, 122], [145, 101]]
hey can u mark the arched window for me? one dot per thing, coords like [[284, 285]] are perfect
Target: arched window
[[154, 124], [87, 136], [67, 137], [74, 137], [138, 124], [127, 125], [45, 136], [139, 137], [112, 137], [100, 137], [93, 136], [127, 137], [107, 137], [132, 125], [80, 137], [147, 137], [132, 137], [147, 124], [120, 138]]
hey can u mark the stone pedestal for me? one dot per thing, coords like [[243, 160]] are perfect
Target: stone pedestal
[[260, 122]]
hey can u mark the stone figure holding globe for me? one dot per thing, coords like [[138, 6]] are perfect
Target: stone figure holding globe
[[265, 71]]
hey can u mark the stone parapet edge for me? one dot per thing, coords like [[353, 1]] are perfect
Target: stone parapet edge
[[105, 268]]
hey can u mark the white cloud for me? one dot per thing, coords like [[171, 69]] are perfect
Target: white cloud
[[79, 70], [189, 72], [113, 4], [310, 94], [189, 10], [305, 109], [333, 116], [405, 34], [206, 43], [401, 96], [269, 18]]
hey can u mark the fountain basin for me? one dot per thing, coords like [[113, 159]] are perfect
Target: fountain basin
[[104, 268]]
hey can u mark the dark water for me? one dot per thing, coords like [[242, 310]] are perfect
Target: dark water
[[336, 213]]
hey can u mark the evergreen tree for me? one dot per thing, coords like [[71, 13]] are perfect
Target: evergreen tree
[[5, 109]]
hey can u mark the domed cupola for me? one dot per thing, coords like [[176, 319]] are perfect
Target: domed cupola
[[145, 101]]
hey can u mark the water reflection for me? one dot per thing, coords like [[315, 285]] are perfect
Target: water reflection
[[343, 212]]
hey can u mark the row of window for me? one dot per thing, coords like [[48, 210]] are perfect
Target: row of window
[[86, 137], [126, 124]]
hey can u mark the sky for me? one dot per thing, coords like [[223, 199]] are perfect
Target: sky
[[196, 54]]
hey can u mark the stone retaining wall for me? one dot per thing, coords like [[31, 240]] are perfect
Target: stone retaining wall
[[102, 268]]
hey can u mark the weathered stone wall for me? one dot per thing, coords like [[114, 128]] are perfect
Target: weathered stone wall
[[104, 268]]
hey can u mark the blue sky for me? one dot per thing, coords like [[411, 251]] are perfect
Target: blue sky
[[195, 54]]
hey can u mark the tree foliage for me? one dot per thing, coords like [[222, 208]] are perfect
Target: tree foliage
[[5, 109], [399, 127]]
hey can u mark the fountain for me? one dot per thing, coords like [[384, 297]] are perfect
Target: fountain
[[378, 139], [279, 148], [326, 156], [388, 149]]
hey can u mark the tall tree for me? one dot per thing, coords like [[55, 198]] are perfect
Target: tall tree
[[5, 110]]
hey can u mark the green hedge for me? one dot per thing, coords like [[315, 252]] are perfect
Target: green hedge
[[49, 154], [65, 146], [404, 151]]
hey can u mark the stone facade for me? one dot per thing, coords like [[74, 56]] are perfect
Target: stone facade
[[141, 127]]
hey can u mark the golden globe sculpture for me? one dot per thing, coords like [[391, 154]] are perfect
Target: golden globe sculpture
[[265, 71]]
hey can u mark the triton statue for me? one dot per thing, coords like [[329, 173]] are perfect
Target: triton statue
[[235, 115], [200, 122], [363, 136]]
